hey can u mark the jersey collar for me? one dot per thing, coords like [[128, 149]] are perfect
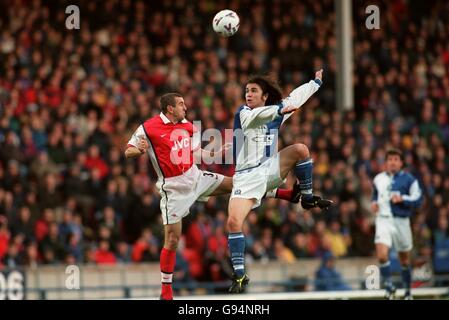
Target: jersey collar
[[166, 120], [399, 173]]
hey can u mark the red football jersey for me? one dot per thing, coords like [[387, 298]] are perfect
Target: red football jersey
[[171, 144]]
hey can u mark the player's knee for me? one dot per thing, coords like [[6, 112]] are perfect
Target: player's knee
[[234, 224], [301, 151], [171, 242], [382, 260], [404, 261], [227, 184], [382, 257]]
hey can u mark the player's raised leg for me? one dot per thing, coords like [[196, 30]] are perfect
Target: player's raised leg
[[168, 258], [291, 195], [297, 157], [238, 210]]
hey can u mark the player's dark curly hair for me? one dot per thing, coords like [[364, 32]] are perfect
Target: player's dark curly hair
[[270, 86]]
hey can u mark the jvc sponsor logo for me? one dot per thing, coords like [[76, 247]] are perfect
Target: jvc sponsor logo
[[184, 143]]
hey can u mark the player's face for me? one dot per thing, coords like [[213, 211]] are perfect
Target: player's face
[[254, 96], [394, 163], [180, 109]]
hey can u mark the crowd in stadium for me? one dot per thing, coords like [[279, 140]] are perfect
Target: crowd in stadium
[[69, 100]]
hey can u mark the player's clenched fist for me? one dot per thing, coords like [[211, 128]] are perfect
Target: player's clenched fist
[[142, 145], [319, 74], [374, 207]]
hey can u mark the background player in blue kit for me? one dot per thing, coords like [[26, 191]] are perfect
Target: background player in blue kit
[[396, 194]]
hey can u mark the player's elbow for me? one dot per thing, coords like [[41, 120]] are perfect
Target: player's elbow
[[416, 204], [244, 125]]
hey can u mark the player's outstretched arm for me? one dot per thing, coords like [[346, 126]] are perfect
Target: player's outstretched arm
[[301, 94], [209, 155]]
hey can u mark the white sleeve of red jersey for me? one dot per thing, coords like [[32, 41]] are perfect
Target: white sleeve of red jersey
[[139, 133]]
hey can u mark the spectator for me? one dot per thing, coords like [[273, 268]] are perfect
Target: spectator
[[299, 246], [94, 162], [363, 238], [217, 254], [49, 193], [315, 244], [182, 273], [266, 240], [5, 237], [258, 252], [327, 278], [73, 248], [42, 225], [66, 226], [442, 231], [103, 255], [217, 244], [23, 224], [31, 258], [52, 243], [146, 247], [283, 253], [123, 253], [339, 245], [13, 258], [49, 257]]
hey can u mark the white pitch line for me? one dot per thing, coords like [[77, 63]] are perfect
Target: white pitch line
[[318, 295]]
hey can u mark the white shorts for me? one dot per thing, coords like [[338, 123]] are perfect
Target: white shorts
[[393, 231], [179, 193], [254, 183]]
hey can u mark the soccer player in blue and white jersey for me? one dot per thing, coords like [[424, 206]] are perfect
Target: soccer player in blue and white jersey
[[260, 169], [396, 194]]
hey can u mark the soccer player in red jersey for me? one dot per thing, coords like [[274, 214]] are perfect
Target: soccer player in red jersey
[[169, 141]]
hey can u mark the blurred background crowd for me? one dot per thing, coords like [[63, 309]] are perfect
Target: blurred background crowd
[[70, 99]]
